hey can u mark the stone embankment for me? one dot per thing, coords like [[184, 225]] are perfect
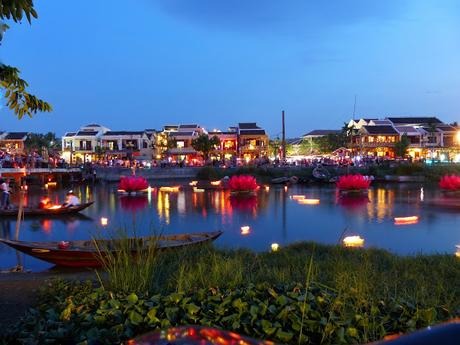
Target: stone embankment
[[113, 174]]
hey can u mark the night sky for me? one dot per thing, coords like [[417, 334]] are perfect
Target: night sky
[[142, 64]]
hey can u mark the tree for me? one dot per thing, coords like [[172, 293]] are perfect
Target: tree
[[330, 142], [274, 147], [205, 145], [401, 146], [38, 141], [17, 98]]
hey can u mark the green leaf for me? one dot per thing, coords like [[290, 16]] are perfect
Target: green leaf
[[132, 298]]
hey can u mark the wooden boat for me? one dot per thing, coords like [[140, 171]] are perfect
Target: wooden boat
[[85, 253], [47, 211], [285, 180], [321, 174]]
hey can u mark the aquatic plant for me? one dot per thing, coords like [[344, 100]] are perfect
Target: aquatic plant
[[450, 183], [242, 183], [353, 182], [132, 183]]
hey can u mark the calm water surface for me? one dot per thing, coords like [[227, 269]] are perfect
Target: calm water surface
[[273, 216]]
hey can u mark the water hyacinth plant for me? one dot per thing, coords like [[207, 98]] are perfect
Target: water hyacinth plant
[[132, 184], [450, 183], [242, 183], [356, 182]]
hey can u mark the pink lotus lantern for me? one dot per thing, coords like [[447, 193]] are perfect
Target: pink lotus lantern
[[129, 184], [242, 184], [450, 183], [353, 183]]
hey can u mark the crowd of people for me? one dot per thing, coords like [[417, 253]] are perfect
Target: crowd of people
[[30, 160]]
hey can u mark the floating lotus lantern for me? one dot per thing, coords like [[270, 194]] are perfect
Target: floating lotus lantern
[[267, 188], [353, 183], [308, 201], [297, 197], [353, 241], [133, 185], [104, 221], [193, 183], [198, 190], [173, 189], [406, 220], [450, 183], [216, 183], [245, 230], [242, 184]]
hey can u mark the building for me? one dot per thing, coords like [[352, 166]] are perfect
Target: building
[[13, 142], [127, 145], [80, 146], [94, 142], [252, 141], [228, 147], [179, 143], [428, 137]]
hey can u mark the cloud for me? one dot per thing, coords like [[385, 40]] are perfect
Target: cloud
[[279, 15]]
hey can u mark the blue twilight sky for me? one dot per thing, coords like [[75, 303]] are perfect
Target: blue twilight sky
[[145, 63]]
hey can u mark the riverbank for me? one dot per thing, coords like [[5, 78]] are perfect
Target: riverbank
[[352, 296], [389, 171]]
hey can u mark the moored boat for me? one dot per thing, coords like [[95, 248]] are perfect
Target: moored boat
[[86, 254], [56, 210]]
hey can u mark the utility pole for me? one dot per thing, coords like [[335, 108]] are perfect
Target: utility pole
[[283, 140]]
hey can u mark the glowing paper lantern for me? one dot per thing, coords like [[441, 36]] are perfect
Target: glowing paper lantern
[[245, 230], [308, 201], [170, 189], [353, 241], [275, 247], [297, 197], [104, 221], [406, 220]]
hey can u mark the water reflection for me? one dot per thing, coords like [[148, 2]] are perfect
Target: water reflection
[[276, 214]]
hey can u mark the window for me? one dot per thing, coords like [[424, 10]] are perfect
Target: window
[[180, 144]]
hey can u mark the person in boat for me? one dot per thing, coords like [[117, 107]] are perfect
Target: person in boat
[[71, 200], [45, 202]]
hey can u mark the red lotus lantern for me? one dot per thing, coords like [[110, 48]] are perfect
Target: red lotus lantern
[[450, 183], [131, 184], [353, 183], [242, 184]]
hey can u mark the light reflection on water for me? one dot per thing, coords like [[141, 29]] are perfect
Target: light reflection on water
[[273, 216]]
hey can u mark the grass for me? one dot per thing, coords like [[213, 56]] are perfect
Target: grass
[[304, 293], [127, 272], [370, 273]]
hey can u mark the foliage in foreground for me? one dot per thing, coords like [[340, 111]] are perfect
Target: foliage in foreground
[[286, 314], [354, 296]]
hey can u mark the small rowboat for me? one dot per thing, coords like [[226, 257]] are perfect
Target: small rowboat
[[53, 211], [85, 253]]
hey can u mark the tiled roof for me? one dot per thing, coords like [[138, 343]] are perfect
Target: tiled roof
[[294, 141], [248, 125], [385, 130], [252, 132], [322, 132], [409, 130], [414, 120], [86, 133], [446, 128], [70, 134], [112, 133], [181, 134], [93, 125], [16, 136], [188, 126]]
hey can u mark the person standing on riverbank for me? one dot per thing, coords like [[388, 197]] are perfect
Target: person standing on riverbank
[[5, 189]]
